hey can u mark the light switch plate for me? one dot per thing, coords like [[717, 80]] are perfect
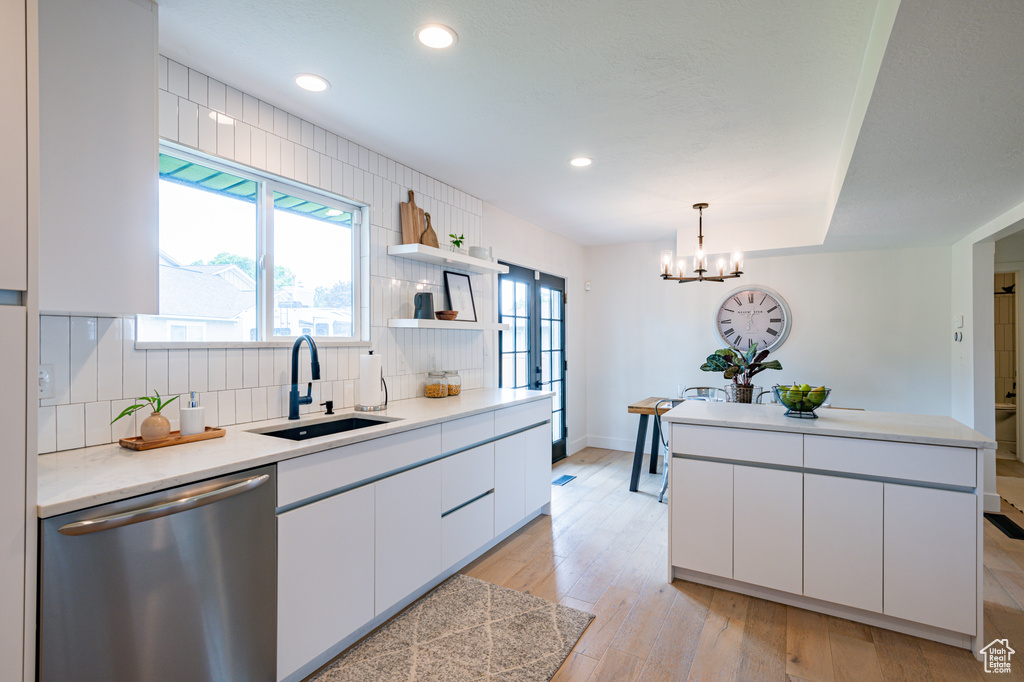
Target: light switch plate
[[958, 321], [45, 381]]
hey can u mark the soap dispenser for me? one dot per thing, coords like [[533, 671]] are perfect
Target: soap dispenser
[[193, 419]]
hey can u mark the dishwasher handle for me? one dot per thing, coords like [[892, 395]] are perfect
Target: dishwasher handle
[[164, 509]]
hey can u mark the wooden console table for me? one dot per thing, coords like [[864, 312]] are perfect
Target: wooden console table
[[645, 408]]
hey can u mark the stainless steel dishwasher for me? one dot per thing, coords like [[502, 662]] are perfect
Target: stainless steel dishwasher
[[175, 585]]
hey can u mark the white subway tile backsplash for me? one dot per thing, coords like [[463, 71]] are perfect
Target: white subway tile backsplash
[[188, 123], [97, 423], [266, 367], [47, 429], [234, 106], [276, 402], [243, 406], [177, 371], [250, 367], [198, 370], [211, 407], [156, 372], [83, 359], [259, 403], [108, 358], [177, 78], [168, 114], [134, 367], [242, 141], [225, 136], [198, 87], [234, 368], [71, 426], [207, 130], [217, 358], [217, 94], [55, 349], [226, 407]]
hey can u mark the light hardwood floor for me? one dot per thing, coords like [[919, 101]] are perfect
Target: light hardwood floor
[[604, 550]]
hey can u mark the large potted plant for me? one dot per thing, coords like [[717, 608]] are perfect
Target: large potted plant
[[741, 367]]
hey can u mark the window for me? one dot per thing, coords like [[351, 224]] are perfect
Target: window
[[245, 257]]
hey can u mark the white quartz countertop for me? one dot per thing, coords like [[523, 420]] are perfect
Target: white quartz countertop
[[76, 479], [892, 426]]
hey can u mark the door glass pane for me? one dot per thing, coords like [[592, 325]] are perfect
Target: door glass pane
[[556, 426], [312, 268], [556, 304], [556, 363], [508, 370], [545, 334], [545, 303], [557, 388], [508, 297], [508, 342], [545, 366], [521, 334], [522, 365], [556, 335], [522, 299]]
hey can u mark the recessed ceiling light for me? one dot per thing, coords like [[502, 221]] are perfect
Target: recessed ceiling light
[[581, 161], [437, 36], [308, 81]]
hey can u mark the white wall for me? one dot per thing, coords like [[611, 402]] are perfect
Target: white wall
[[871, 325], [98, 369], [521, 243]]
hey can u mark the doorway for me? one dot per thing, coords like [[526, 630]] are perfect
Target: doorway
[[531, 354]]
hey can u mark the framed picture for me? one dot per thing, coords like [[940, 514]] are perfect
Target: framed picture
[[460, 296]]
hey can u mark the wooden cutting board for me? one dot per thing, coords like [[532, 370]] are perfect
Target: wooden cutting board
[[429, 237], [412, 220]]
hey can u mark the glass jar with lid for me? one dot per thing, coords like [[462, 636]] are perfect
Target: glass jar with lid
[[454, 383], [437, 385]]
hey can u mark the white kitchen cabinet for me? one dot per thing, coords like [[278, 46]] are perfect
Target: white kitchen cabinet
[[930, 577], [767, 522], [509, 482], [843, 541], [325, 562], [537, 467], [408, 533], [98, 156], [13, 147], [466, 476], [466, 529], [702, 516]]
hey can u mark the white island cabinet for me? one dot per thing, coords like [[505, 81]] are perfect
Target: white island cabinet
[[870, 516]]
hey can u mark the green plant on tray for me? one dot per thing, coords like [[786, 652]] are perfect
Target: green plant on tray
[[154, 401], [457, 240], [739, 366]]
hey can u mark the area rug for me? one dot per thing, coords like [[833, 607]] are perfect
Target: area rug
[[465, 629], [1011, 489]]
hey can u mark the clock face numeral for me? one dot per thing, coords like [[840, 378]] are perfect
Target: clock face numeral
[[752, 317]]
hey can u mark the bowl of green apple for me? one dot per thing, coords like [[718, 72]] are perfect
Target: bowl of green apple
[[801, 400]]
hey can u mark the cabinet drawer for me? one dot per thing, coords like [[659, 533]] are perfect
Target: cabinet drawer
[[461, 433], [466, 475], [745, 445], [886, 459], [466, 530], [304, 477], [509, 419]]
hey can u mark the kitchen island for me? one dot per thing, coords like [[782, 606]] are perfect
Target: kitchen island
[[875, 517]]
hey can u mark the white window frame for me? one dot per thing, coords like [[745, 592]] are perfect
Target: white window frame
[[263, 232]]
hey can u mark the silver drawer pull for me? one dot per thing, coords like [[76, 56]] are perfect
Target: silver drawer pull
[[164, 509]]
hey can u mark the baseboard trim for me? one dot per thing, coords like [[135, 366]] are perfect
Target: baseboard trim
[[616, 443], [576, 445], [957, 639], [993, 502]]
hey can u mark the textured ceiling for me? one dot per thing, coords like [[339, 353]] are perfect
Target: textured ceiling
[[744, 104], [941, 151]]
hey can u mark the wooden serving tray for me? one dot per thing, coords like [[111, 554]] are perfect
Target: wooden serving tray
[[174, 439]]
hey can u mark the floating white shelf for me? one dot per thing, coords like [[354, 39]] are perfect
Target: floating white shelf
[[435, 256], [404, 323]]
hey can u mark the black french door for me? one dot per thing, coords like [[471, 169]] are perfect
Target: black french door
[[531, 354]]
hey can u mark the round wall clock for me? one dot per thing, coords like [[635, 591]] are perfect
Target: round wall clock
[[753, 314]]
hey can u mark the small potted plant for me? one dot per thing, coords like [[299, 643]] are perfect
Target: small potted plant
[[457, 241], [155, 426], [741, 368]]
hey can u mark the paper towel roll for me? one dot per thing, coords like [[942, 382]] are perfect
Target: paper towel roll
[[370, 393]]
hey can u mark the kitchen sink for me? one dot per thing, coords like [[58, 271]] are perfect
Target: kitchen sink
[[323, 427]]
